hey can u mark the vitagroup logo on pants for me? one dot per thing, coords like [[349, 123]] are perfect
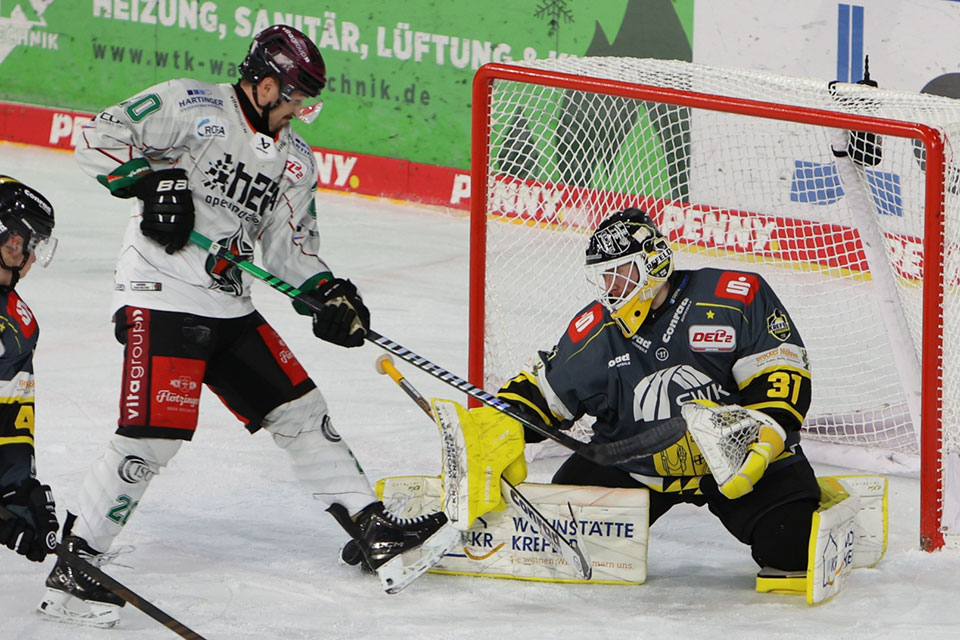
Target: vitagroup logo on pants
[[23, 27]]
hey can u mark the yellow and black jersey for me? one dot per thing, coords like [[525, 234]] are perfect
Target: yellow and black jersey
[[720, 335], [18, 339]]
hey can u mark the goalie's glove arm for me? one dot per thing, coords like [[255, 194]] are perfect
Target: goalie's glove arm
[[782, 393], [524, 395]]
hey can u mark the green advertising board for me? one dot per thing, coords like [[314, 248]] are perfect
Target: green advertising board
[[399, 73]]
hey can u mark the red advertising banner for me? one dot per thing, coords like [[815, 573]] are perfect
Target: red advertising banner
[[337, 170]]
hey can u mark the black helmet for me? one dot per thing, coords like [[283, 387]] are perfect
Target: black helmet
[[621, 234], [287, 54], [628, 261], [25, 212]]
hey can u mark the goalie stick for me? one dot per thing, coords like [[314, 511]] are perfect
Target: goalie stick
[[117, 588], [573, 552], [654, 437]]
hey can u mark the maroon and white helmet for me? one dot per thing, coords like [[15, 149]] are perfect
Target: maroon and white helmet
[[284, 53]]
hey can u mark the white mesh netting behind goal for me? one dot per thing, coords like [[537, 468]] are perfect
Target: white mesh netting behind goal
[[841, 242]]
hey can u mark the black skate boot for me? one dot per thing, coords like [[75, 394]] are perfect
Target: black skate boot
[[400, 550], [73, 596]]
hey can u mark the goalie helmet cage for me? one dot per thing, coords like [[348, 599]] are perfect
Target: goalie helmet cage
[[737, 170]]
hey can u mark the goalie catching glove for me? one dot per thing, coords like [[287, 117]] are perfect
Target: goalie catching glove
[[737, 443], [478, 447]]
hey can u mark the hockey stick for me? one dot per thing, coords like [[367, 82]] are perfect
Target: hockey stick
[[117, 588], [653, 438], [572, 551]]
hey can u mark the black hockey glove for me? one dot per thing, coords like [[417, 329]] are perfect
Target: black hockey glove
[[32, 532], [342, 319], [168, 212]]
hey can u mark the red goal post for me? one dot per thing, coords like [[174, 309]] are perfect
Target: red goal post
[[558, 144]]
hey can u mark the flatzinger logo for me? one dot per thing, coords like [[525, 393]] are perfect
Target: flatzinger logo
[[707, 337]]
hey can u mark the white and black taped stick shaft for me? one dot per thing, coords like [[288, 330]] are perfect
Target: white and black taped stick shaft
[[572, 552], [118, 588], [653, 438]]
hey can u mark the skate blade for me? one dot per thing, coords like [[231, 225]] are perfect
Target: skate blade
[[94, 614], [398, 572]]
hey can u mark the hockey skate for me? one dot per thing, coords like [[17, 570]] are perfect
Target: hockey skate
[[400, 550], [72, 596]]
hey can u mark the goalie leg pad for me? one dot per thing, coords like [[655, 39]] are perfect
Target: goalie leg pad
[[870, 523], [613, 521], [478, 447], [830, 552]]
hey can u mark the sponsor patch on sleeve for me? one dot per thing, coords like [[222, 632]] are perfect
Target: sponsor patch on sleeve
[[734, 285], [581, 325], [778, 325], [787, 355]]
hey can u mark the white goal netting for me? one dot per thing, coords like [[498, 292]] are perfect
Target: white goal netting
[[841, 242]]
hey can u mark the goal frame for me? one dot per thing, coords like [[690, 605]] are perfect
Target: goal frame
[[931, 420]]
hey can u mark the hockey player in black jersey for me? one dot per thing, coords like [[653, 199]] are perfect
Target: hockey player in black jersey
[[26, 222], [659, 342]]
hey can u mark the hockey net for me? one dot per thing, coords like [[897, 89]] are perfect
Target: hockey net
[[736, 168]]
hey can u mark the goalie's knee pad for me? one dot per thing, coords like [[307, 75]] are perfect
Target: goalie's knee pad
[[114, 485], [321, 461], [781, 537]]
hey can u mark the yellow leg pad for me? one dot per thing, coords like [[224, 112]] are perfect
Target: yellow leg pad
[[772, 581]]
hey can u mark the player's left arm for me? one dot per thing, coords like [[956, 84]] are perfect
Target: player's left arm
[[31, 530], [291, 248], [773, 376]]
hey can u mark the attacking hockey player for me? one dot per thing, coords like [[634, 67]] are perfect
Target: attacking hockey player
[[223, 160], [716, 347]]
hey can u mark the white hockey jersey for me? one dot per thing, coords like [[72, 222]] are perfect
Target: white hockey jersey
[[246, 187]]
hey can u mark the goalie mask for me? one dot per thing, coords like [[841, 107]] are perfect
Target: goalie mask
[[627, 263], [26, 222]]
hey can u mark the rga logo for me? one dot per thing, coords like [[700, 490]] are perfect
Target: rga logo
[[705, 337], [134, 469], [656, 396], [211, 128], [620, 361]]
